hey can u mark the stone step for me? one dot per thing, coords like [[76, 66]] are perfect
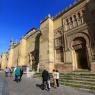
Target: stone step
[[78, 82], [85, 80], [91, 88], [74, 78], [69, 76], [78, 76], [80, 79]]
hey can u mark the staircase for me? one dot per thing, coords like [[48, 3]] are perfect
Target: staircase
[[82, 79]]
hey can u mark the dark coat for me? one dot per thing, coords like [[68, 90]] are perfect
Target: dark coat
[[21, 71], [45, 75]]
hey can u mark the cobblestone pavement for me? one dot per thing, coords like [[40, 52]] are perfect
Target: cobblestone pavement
[[29, 87]]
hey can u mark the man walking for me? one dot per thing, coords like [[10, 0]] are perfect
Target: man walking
[[45, 79]]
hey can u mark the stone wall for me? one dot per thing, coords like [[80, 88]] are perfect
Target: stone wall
[[13, 55], [64, 67], [4, 60], [46, 55]]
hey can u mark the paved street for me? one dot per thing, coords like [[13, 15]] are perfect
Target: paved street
[[29, 87]]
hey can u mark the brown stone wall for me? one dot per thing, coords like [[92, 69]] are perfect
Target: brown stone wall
[[64, 67], [93, 67]]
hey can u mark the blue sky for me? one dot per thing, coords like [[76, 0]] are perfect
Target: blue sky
[[19, 16]]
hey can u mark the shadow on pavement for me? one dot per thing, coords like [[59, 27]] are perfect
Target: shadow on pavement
[[40, 86]]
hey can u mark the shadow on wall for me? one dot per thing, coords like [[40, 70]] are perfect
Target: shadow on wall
[[35, 53]]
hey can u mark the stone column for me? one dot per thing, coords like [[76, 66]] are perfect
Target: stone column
[[82, 19], [65, 25], [74, 60], [70, 23]]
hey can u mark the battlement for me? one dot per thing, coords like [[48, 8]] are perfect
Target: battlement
[[68, 8]]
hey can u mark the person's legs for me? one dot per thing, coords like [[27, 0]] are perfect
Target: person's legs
[[43, 85], [47, 85], [15, 77], [57, 82], [10, 74], [5, 74], [20, 77]]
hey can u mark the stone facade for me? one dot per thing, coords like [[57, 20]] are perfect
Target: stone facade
[[13, 54], [4, 60], [77, 23], [65, 42]]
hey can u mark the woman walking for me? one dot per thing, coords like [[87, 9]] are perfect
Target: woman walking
[[54, 78], [17, 74], [57, 78]]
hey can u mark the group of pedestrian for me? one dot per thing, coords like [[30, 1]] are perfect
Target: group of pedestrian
[[18, 74], [46, 79]]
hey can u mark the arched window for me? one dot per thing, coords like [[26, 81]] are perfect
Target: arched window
[[66, 26], [71, 19], [75, 21], [71, 23], [67, 21], [79, 15], [79, 18]]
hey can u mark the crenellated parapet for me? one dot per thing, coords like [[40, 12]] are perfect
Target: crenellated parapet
[[71, 6]]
